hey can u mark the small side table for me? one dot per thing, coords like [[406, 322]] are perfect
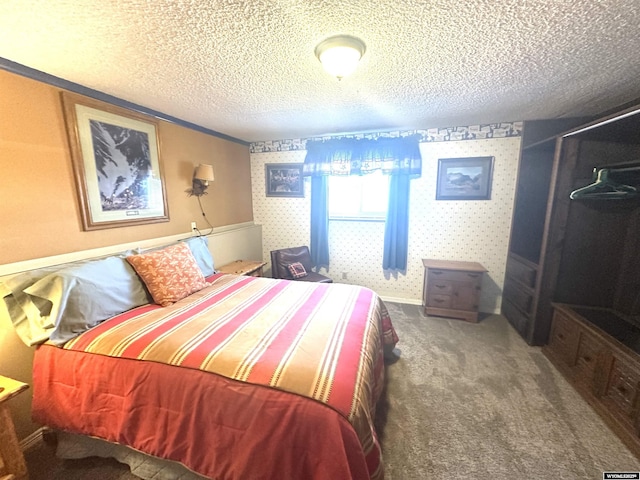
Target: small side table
[[12, 464], [243, 267], [452, 288]]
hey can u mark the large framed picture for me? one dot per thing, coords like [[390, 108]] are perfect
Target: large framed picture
[[116, 163], [284, 180], [464, 178]]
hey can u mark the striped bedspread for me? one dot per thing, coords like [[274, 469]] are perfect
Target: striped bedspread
[[320, 341]]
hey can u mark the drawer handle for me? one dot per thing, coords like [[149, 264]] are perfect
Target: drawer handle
[[587, 358], [438, 300], [560, 336], [436, 272], [473, 275], [622, 389], [441, 286]]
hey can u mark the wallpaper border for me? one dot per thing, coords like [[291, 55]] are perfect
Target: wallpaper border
[[448, 134]]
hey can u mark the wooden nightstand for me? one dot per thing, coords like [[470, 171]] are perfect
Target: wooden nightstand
[[12, 464], [452, 289], [243, 267]]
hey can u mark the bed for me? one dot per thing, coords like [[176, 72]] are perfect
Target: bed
[[243, 378]]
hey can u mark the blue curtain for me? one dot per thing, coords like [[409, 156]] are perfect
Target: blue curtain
[[319, 245], [395, 156], [396, 228], [352, 156]]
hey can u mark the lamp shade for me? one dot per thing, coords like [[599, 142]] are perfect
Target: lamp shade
[[340, 55], [204, 172]]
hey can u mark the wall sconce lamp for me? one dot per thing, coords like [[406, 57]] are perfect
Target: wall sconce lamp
[[340, 55], [202, 175]]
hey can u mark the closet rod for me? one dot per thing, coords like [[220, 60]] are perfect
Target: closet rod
[[621, 167]]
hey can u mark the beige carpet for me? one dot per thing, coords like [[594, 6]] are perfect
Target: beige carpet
[[475, 401], [463, 401]]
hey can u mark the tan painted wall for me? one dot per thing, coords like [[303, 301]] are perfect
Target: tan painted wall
[[39, 211]]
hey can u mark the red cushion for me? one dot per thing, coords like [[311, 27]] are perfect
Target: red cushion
[[297, 270], [170, 273]]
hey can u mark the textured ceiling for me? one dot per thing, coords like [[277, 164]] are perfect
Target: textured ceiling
[[247, 69]]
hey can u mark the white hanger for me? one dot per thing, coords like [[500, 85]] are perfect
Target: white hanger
[[604, 188]]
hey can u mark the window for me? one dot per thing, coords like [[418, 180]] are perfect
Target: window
[[355, 197]]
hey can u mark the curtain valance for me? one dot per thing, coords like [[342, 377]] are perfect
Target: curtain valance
[[351, 156]]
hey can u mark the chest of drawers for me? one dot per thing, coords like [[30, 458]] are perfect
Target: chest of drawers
[[597, 351], [452, 288]]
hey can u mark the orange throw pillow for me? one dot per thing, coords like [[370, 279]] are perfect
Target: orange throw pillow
[[170, 274]]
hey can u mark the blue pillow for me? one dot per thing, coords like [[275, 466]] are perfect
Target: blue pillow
[[21, 308], [200, 249], [79, 297]]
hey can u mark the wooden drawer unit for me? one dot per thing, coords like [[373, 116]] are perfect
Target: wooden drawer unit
[[620, 393], [521, 271], [437, 286], [519, 297], [453, 276], [452, 289], [605, 371], [439, 301], [518, 320], [588, 358], [564, 337]]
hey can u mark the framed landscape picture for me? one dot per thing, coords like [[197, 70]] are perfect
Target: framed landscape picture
[[116, 163], [284, 180], [464, 178]]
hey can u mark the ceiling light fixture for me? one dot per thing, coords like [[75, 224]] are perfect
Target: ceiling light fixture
[[340, 55]]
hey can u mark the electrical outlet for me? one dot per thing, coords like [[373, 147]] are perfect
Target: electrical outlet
[[193, 226], [344, 275]]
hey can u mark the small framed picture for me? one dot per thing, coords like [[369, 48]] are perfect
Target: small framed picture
[[464, 178], [284, 180]]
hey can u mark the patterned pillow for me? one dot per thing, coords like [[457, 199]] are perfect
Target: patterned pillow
[[297, 270], [170, 273]]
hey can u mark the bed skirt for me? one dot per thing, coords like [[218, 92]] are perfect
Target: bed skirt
[[147, 467]]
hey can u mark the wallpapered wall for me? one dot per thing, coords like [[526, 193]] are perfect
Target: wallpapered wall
[[453, 230]]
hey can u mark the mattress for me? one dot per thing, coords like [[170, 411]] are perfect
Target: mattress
[[248, 378]]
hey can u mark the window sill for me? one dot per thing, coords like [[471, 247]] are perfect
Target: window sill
[[357, 219]]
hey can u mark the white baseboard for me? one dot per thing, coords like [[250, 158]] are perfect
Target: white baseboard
[[408, 301]]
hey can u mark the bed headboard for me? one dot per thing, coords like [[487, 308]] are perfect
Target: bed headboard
[[228, 243], [239, 241]]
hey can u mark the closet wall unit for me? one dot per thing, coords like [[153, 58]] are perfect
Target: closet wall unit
[[581, 252], [573, 271], [531, 259]]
